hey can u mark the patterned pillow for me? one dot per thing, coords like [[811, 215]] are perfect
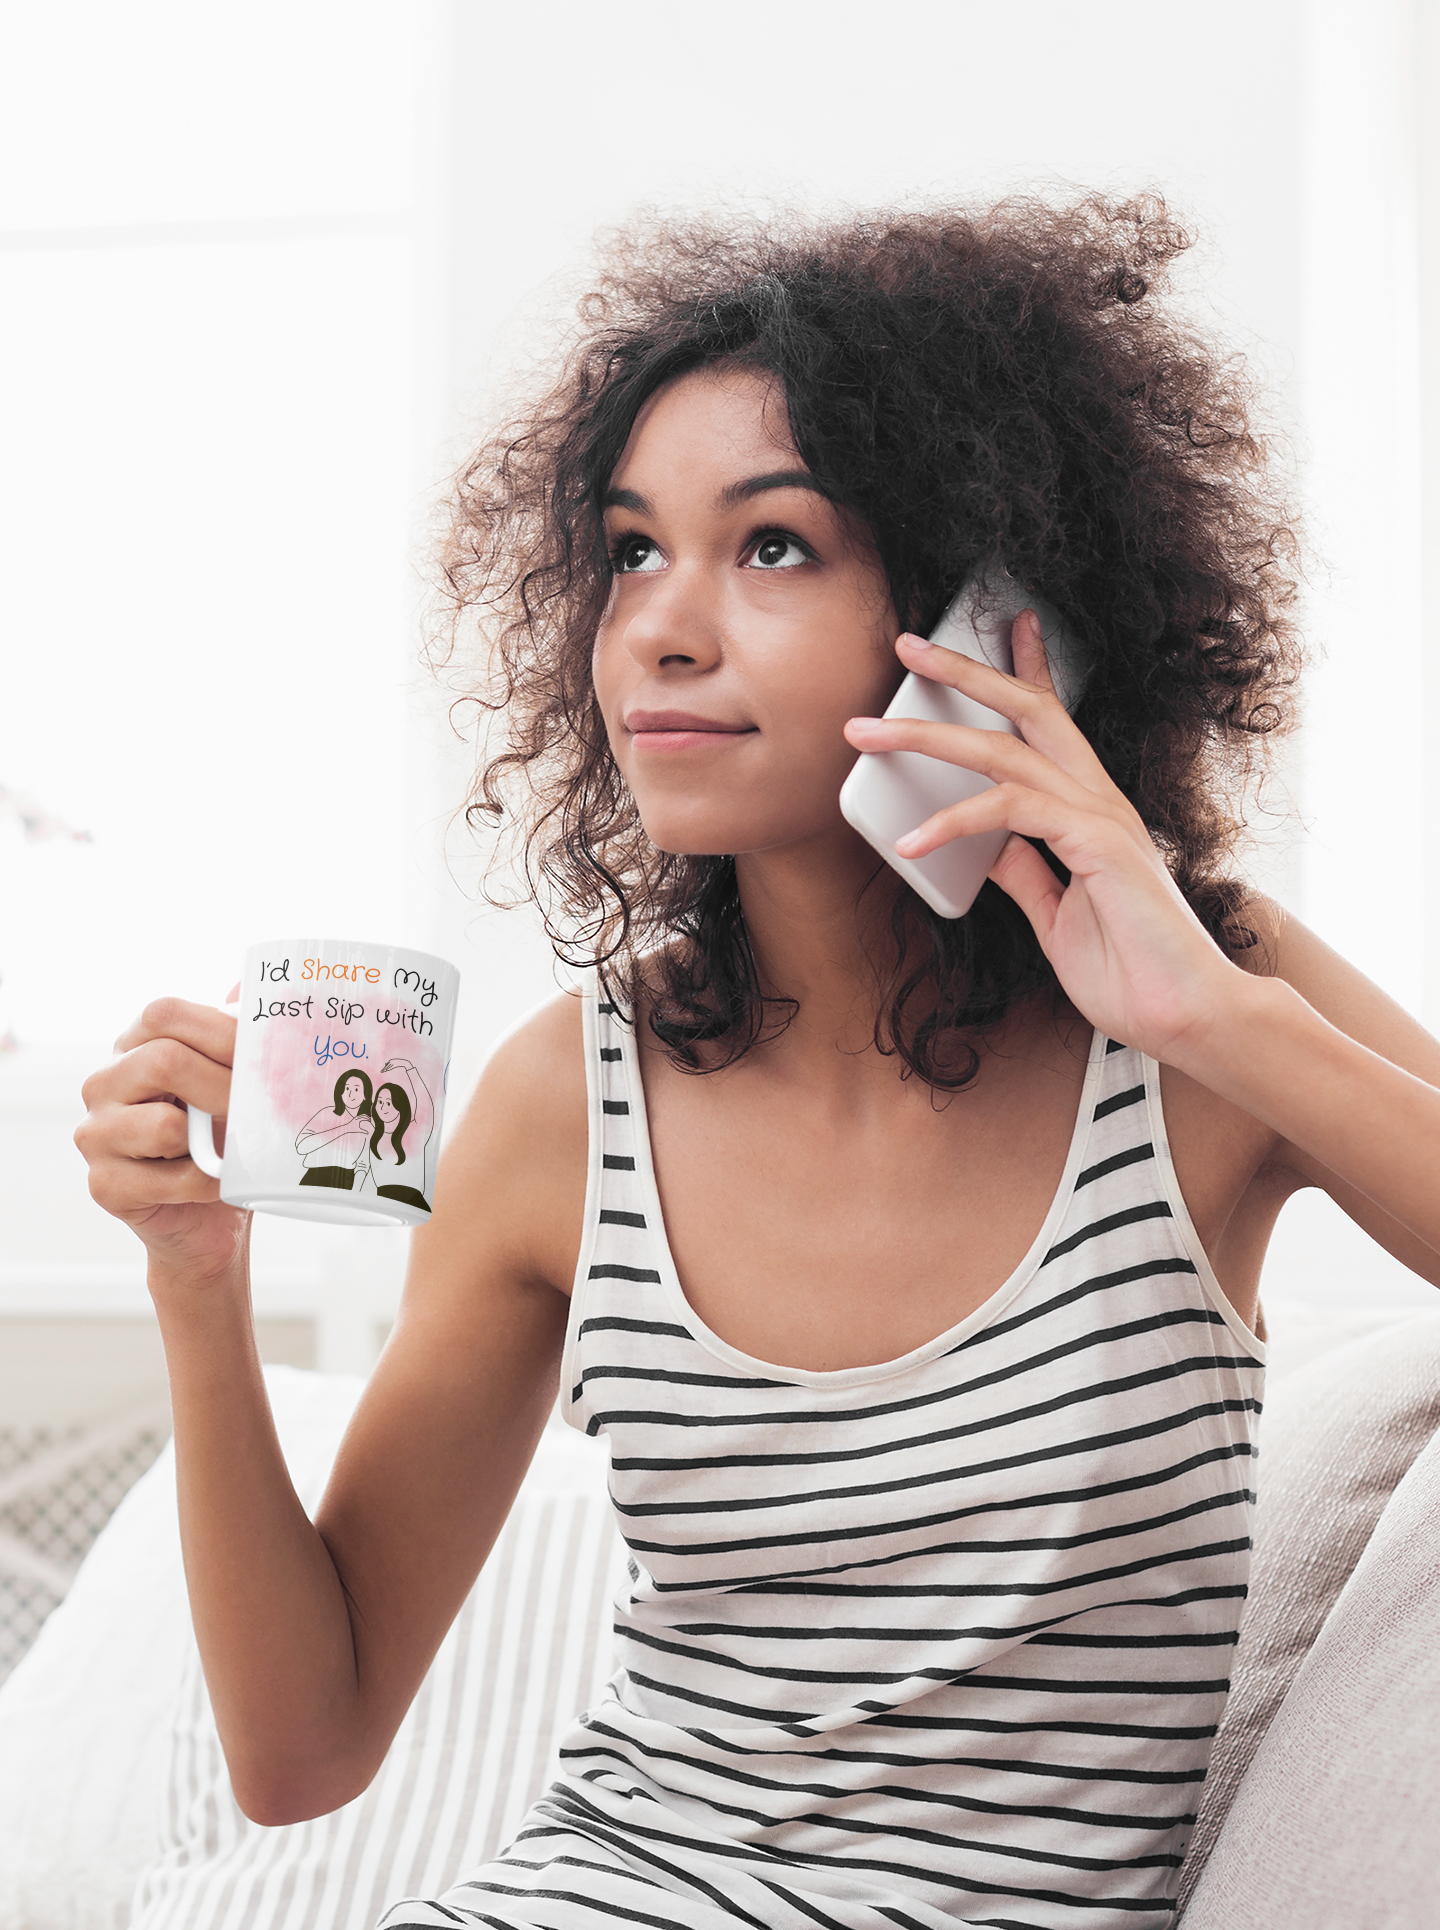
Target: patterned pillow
[[530, 1648]]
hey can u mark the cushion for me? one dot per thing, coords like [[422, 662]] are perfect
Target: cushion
[[1336, 1824], [110, 1772], [85, 1724], [1336, 1439], [86, 1718], [530, 1648], [1298, 1331]]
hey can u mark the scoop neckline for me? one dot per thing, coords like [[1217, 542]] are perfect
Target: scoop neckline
[[845, 1377]]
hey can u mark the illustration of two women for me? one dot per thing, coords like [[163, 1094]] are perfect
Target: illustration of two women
[[372, 1141]]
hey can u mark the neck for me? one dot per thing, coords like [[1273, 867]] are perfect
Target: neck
[[818, 921]]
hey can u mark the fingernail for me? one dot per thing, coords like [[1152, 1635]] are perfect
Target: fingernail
[[915, 643], [904, 846]]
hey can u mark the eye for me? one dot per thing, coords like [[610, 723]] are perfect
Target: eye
[[778, 551], [631, 554]]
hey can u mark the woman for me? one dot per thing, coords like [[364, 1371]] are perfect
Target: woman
[[332, 1141], [915, 1280], [404, 1117]]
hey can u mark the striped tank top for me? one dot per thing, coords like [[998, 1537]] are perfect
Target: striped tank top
[[938, 1642]]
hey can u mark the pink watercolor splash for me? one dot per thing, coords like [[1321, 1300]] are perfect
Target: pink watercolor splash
[[300, 1060]]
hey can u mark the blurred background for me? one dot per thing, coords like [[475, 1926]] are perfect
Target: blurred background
[[263, 270]]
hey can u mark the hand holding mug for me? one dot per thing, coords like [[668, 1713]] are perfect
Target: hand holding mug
[[134, 1135]]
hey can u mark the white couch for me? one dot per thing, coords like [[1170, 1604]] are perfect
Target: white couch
[[1322, 1811]]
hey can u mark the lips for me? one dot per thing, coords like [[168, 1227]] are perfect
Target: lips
[[681, 730], [646, 723]]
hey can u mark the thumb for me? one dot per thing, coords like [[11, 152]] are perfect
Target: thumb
[[1022, 874]]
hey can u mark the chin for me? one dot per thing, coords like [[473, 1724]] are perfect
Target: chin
[[690, 844], [687, 834]]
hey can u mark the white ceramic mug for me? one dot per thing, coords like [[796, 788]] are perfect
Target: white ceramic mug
[[341, 1056]]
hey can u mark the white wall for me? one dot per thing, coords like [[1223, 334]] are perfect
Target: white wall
[[258, 270], [205, 291], [1368, 868]]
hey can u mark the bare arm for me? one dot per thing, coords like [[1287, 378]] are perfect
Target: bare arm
[[1346, 1079], [315, 1636]]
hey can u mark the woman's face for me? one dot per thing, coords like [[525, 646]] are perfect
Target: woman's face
[[354, 1094], [747, 620], [386, 1107]]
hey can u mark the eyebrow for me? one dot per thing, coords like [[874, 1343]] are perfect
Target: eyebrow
[[741, 492], [732, 495]]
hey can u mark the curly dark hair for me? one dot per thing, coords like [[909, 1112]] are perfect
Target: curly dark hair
[[995, 388]]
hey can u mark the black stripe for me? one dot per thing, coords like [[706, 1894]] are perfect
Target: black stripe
[[1221, 1638], [1116, 1103], [611, 1270], [1132, 1216], [887, 1759], [612, 1216], [778, 1718], [1111, 1046], [1133, 1275], [1041, 1685], [618, 1323], [1035, 1591], [900, 1917], [1018, 1923], [1148, 1477], [610, 1010], [610, 1053], [1132, 1157], [618, 1106], [674, 1379], [617, 1162], [808, 1585], [991, 1726]]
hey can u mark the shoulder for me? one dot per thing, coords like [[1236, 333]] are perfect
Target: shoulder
[[518, 1156], [537, 1070]]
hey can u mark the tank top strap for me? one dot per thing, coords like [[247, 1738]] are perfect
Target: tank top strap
[[616, 1188]]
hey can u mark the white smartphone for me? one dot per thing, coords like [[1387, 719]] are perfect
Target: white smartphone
[[890, 793]]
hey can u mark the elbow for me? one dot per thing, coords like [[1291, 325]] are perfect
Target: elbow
[[272, 1800]]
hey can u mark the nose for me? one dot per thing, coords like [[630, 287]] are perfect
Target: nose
[[673, 623]]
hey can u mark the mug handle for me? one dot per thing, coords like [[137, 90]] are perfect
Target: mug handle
[[201, 1126], [202, 1142]]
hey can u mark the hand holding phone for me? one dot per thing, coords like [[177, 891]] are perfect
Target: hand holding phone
[[891, 792]]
